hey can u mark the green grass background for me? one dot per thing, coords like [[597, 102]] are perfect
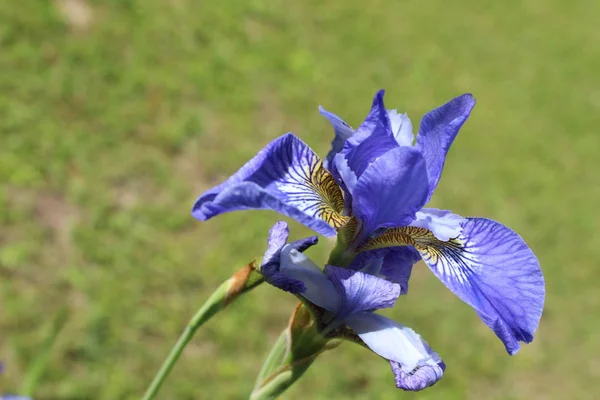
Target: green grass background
[[116, 115]]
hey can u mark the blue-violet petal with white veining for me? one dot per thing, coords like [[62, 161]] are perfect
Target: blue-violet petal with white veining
[[279, 178], [494, 271]]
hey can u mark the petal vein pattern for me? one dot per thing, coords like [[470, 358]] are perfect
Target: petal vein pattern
[[489, 267], [310, 187], [285, 176]]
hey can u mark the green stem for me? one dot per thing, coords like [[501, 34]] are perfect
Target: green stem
[[168, 364], [340, 256], [243, 281]]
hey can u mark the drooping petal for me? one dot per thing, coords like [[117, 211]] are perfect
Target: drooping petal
[[319, 290], [442, 223], [437, 132], [391, 190], [401, 128], [392, 263], [421, 378], [410, 354], [286, 176], [278, 236], [360, 291], [490, 268], [342, 132]]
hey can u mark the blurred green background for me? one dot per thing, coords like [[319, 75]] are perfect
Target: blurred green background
[[116, 115]]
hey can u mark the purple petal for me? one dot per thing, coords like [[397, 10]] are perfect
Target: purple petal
[[278, 236], [395, 342], [342, 132], [360, 291], [419, 379], [401, 128], [282, 281], [370, 123], [494, 271], [305, 243], [372, 139], [270, 266], [443, 224], [394, 264], [344, 174], [437, 132], [319, 290], [391, 190], [278, 178]]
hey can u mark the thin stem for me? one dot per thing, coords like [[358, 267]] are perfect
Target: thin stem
[[243, 281], [168, 364]]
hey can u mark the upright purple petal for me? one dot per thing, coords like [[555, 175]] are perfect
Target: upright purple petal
[[367, 127], [284, 177], [342, 131], [391, 190], [372, 139], [278, 236], [415, 365], [437, 132], [360, 291], [494, 271], [344, 175], [394, 264]]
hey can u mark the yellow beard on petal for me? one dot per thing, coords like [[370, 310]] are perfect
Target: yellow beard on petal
[[332, 205], [430, 247]]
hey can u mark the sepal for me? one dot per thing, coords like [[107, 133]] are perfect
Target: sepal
[[295, 350]]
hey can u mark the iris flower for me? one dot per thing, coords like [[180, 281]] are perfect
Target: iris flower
[[371, 190], [349, 298]]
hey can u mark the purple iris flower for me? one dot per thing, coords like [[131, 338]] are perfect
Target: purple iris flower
[[371, 190], [349, 298]]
